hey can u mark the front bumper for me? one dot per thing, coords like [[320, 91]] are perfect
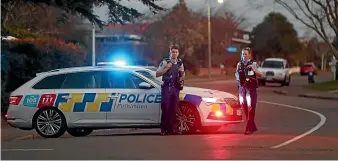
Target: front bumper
[[278, 78], [229, 115]]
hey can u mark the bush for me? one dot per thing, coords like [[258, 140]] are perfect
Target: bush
[[16, 32], [191, 65], [23, 58]]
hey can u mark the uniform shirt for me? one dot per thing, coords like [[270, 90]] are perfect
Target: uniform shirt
[[164, 64], [254, 67]]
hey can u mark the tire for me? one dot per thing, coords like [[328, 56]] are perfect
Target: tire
[[209, 129], [49, 122], [262, 83], [78, 132], [284, 82], [289, 81], [187, 118]]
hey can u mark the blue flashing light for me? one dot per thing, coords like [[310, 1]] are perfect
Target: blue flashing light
[[117, 63], [232, 49]]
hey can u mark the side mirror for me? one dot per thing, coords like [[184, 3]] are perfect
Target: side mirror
[[145, 85]]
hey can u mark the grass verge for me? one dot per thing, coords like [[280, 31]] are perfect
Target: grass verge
[[325, 86]]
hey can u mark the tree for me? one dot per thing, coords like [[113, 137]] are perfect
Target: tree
[[23, 58], [190, 31], [275, 36], [319, 15], [179, 27], [118, 13]]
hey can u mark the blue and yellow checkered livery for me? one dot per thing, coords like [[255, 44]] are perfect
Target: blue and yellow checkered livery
[[85, 102], [101, 102]]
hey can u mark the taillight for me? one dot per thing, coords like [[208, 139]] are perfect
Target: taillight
[[15, 100]]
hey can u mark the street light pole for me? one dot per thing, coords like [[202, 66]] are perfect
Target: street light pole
[[93, 46], [209, 37], [209, 40]]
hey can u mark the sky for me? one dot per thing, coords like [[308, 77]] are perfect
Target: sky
[[246, 8]]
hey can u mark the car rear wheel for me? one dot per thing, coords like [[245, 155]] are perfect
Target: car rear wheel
[[79, 131], [50, 123], [187, 118]]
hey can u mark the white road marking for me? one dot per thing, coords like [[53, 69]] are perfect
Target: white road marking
[[321, 123], [26, 149]]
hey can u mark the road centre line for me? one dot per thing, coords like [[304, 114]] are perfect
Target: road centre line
[[321, 123], [26, 149]]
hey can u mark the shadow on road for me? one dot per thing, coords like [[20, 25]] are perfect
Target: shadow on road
[[158, 134]]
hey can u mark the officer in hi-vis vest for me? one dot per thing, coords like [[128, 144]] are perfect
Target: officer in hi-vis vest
[[172, 71], [246, 75]]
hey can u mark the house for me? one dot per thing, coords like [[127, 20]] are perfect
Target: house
[[125, 42]]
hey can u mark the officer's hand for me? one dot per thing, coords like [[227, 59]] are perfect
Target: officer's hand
[[169, 65]]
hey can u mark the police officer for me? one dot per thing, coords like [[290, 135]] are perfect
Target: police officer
[[246, 75], [172, 71]]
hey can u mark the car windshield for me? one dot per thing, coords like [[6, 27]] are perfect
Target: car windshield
[[273, 64], [150, 75]]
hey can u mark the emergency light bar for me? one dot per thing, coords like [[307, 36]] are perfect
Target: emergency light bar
[[119, 63]]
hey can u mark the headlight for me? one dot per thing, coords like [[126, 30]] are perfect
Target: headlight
[[212, 100]]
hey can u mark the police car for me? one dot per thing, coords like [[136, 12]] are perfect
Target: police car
[[82, 99]]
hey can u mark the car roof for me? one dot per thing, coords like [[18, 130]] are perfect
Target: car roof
[[275, 59], [93, 68]]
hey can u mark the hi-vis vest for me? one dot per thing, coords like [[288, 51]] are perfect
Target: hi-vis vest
[[173, 76]]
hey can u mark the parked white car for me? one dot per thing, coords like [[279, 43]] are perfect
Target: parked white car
[[275, 70]]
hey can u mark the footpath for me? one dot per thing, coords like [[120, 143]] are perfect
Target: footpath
[[304, 92]]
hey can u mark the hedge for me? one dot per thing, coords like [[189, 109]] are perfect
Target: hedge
[[23, 58]]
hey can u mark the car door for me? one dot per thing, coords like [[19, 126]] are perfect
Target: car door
[[82, 97], [133, 105]]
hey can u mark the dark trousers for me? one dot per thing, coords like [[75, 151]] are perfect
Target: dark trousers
[[169, 105], [248, 101]]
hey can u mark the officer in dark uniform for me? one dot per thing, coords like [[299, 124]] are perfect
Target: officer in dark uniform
[[172, 71], [246, 75]]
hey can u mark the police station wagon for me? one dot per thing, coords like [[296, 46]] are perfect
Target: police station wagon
[[82, 99]]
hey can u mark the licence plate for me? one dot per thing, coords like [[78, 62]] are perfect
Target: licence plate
[[239, 112]]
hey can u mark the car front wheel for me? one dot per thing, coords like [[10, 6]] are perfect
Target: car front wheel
[[50, 123], [187, 118]]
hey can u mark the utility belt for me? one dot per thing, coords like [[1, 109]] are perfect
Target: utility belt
[[250, 82], [170, 84]]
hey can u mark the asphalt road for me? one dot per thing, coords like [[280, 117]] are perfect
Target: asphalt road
[[289, 128]]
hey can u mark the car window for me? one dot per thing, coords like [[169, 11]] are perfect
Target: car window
[[82, 80], [273, 64], [50, 82], [150, 76], [123, 80]]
